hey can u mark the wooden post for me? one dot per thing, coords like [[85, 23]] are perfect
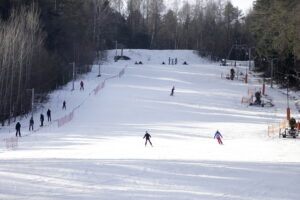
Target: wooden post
[[288, 113]]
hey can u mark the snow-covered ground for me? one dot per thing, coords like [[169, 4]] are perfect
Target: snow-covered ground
[[100, 154]]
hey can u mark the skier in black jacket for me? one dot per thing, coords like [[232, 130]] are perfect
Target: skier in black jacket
[[31, 123], [49, 115], [64, 107], [172, 91], [42, 119], [18, 129], [147, 136]]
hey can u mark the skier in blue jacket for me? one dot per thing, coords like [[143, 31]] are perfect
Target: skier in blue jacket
[[218, 136]]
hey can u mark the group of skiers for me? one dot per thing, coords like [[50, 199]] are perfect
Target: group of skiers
[[138, 63], [174, 61], [147, 136], [217, 136], [31, 121]]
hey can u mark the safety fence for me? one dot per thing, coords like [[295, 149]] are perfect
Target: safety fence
[[276, 129], [69, 117], [240, 63], [249, 98], [227, 76], [242, 75], [12, 142]]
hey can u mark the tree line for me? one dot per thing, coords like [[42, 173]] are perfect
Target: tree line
[[39, 39], [275, 31]]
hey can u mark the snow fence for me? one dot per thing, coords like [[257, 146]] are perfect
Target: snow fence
[[13, 142]]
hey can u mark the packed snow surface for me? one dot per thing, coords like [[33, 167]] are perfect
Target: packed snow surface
[[100, 153]]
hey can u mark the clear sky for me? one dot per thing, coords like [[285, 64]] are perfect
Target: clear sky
[[243, 4]]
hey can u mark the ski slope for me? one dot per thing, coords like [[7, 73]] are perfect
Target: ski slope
[[100, 153]]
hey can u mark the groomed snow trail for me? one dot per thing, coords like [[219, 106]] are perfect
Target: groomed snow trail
[[100, 154]]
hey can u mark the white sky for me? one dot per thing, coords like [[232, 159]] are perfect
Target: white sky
[[243, 4]]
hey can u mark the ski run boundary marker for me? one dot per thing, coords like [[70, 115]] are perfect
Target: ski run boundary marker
[[13, 142]]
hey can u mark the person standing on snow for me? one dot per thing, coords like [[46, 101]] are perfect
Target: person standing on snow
[[64, 107], [147, 136], [218, 136], [81, 85], [49, 115], [31, 122], [42, 119], [172, 91], [18, 129], [232, 74]]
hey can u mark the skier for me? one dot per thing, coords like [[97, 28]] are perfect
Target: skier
[[175, 61], [169, 60], [42, 119], [81, 85], [232, 73], [18, 129], [172, 91], [218, 136], [147, 136], [64, 105], [31, 122], [49, 115]]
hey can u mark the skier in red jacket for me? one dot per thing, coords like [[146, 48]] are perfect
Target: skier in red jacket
[[218, 136], [81, 85]]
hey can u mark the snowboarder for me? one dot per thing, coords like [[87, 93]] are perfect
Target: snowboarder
[[185, 63], [218, 136], [81, 85], [64, 105], [31, 122], [147, 136], [49, 115], [18, 129], [42, 119], [232, 73], [172, 91], [140, 63], [163, 63]]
